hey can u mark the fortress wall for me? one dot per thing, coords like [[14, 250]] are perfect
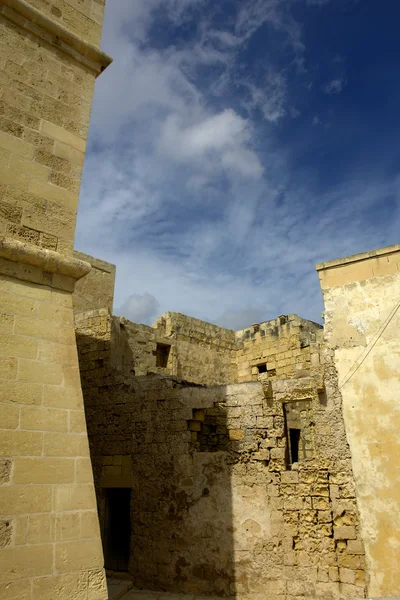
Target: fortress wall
[[49, 536]]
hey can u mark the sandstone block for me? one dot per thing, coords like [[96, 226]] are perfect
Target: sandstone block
[[61, 135], [74, 497], [236, 434], [9, 416], [84, 472], [26, 561], [15, 590], [62, 397], [39, 372], [44, 470], [40, 529], [345, 533], [77, 421], [84, 554], [68, 526], [5, 471], [44, 419], [8, 368], [21, 393], [66, 444], [355, 547], [21, 443], [90, 524], [97, 585], [25, 499], [72, 586]]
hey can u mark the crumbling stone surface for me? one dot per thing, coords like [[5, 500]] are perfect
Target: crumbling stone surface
[[218, 506]]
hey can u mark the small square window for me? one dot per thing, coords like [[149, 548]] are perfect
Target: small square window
[[262, 368]]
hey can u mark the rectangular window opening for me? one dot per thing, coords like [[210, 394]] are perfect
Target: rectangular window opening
[[162, 355], [262, 368]]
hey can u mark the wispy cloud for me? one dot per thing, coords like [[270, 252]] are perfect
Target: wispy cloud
[[193, 193], [334, 86]]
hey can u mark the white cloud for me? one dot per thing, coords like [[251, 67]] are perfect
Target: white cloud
[[139, 308], [197, 205], [217, 141], [271, 97], [335, 86]]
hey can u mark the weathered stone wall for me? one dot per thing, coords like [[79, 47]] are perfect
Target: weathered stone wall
[[50, 545], [96, 289], [283, 347], [362, 321], [83, 17], [216, 507], [45, 108], [205, 353]]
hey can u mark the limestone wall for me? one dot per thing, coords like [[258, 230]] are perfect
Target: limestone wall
[[49, 536], [362, 322], [217, 507], [96, 289], [283, 347], [83, 17], [205, 353]]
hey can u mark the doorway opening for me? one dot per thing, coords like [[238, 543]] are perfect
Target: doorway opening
[[117, 529]]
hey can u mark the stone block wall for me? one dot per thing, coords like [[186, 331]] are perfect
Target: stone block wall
[[283, 347], [362, 320], [45, 102], [83, 17], [205, 353], [96, 289], [217, 506], [49, 535]]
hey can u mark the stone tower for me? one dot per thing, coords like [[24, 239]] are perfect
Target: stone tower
[[49, 537]]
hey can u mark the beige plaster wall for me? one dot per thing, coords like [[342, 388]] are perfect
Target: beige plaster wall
[[362, 324]]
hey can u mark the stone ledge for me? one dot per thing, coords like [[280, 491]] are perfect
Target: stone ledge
[[337, 262], [38, 265], [32, 20]]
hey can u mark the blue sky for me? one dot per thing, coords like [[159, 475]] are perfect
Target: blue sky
[[236, 143]]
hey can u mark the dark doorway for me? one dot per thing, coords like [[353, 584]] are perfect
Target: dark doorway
[[117, 530]]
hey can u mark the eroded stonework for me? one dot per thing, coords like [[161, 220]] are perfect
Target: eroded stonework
[[240, 472]]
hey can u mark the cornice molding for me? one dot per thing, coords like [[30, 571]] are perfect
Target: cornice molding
[[35, 22], [46, 263]]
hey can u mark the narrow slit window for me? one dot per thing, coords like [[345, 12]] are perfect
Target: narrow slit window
[[162, 355], [294, 441]]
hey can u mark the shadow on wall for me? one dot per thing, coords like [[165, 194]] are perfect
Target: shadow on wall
[[234, 490], [161, 473]]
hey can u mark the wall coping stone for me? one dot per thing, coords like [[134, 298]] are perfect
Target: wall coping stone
[[47, 261], [32, 20], [337, 262]]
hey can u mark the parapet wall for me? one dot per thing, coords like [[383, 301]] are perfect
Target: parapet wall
[[95, 290], [204, 353], [283, 347]]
